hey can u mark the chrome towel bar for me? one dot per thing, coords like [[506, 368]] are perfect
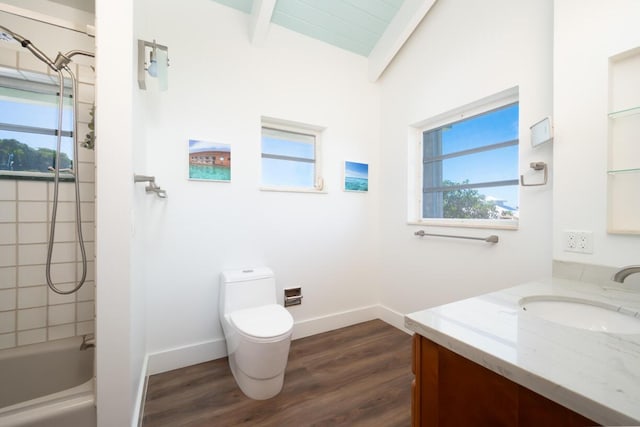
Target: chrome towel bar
[[490, 239]]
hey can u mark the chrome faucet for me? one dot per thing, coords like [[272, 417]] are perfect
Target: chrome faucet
[[624, 272], [88, 341]]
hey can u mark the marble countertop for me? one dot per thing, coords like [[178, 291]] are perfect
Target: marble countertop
[[596, 374]]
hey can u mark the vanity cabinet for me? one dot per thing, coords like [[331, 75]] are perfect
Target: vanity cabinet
[[450, 390], [623, 170]]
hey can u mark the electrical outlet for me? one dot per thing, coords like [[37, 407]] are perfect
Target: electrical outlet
[[578, 241]]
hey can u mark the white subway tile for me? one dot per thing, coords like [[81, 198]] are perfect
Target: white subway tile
[[28, 62], [32, 232], [60, 314], [66, 211], [65, 232], [87, 174], [32, 337], [31, 275], [66, 192], [8, 277], [62, 331], [86, 94], [85, 328], [87, 211], [8, 233], [86, 311], [32, 191], [32, 254], [32, 297], [87, 291], [63, 272], [88, 231], [85, 74], [7, 187], [7, 256], [55, 298], [7, 299], [7, 321], [32, 318], [86, 155], [7, 211], [90, 269], [32, 211], [8, 58], [63, 252], [7, 341]]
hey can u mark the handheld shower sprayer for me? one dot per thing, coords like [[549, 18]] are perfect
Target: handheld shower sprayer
[[61, 63]]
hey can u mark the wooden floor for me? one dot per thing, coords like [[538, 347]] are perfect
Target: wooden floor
[[355, 376]]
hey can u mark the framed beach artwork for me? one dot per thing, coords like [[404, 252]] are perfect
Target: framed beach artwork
[[209, 161], [356, 177]]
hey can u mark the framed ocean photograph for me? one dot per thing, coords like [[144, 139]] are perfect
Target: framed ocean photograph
[[356, 177], [209, 161]]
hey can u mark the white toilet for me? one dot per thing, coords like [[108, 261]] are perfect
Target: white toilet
[[257, 331]]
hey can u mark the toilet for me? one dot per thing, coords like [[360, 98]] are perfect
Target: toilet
[[257, 331]]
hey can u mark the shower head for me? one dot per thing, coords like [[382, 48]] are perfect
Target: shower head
[[7, 34]]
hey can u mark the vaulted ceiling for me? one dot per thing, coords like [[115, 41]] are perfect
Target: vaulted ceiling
[[375, 29]]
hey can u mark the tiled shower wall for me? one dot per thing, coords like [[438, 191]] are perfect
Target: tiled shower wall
[[30, 312]]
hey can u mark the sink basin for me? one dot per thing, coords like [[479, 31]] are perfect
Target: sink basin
[[581, 313]]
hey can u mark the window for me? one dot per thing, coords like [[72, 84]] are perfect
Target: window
[[29, 122], [290, 156], [469, 165]]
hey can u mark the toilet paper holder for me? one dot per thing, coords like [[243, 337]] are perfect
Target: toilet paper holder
[[292, 296]]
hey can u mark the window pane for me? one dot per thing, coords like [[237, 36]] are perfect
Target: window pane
[[27, 108], [475, 203], [486, 166], [485, 129], [21, 151], [478, 158], [287, 173], [288, 158], [288, 144]]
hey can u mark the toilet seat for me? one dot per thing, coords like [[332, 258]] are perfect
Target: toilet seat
[[264, 322]]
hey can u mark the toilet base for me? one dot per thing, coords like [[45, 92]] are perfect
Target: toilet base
[[256, 389]]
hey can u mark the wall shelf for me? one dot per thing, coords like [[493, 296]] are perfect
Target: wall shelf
[[626, 112], [623, 174]]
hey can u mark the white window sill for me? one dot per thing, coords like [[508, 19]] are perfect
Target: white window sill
[[503, 224], [293, 190]]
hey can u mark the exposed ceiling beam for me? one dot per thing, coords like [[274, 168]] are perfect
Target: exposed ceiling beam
[[260, 20], [397, 33]]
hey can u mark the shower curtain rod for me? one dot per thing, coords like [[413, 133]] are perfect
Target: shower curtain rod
[[50, 20]]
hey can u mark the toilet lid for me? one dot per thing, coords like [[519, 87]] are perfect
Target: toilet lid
[[263, 322]]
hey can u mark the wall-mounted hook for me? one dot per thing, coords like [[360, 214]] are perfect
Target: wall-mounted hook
[[536, 166]]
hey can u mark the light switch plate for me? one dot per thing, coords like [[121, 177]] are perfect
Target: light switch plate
[[541, 132]]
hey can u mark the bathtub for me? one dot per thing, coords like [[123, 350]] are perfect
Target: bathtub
[[48, 384]]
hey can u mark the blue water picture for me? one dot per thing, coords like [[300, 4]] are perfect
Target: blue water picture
[[356, 176], [209, 161]]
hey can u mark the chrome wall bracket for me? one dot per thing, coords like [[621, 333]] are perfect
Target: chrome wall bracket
[[152, 187]]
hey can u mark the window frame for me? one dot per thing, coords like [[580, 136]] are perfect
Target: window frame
[[36, 82], [416, 170], [296, 128]]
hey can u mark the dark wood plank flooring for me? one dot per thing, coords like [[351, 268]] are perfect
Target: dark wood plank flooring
[[355, 376]]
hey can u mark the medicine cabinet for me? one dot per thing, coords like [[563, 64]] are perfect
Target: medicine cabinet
[[623, 174]]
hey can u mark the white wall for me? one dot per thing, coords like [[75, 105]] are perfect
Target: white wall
[[461, 52], [120, 295], [219, 87], [587, 33]]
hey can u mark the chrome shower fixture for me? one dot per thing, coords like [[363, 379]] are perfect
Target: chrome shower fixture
[[158, 63]]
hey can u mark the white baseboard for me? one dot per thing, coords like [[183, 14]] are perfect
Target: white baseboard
[[188, 355], [138, 411], [179, 357]]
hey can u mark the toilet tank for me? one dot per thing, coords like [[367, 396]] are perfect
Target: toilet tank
[[251, 287]]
